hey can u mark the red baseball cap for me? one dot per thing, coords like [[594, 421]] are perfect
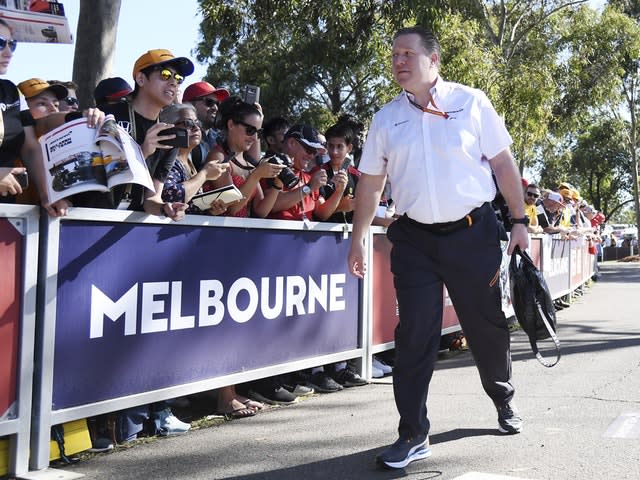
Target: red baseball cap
[[202, 89]]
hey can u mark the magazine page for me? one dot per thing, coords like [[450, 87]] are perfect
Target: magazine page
[[123, 158], [72, 161], [227, 194]]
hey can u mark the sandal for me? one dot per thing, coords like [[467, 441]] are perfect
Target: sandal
[[240, 413], [247, 402]]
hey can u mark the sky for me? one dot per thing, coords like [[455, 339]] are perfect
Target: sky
[[170, 24], [167, 24]]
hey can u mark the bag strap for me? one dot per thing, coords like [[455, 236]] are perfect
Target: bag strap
[[532, 341], [554, 337]]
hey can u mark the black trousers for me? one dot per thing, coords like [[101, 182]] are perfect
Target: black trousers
[[467, 261]]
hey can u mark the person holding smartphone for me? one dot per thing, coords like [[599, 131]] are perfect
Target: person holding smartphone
[[184, 179]]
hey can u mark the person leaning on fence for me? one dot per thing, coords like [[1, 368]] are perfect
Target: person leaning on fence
[[240, 125], [42, 97], [157, 75], [184, 180], [435, 138], [20, 131]]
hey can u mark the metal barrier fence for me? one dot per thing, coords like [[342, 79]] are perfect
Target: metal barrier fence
[[133, 309]]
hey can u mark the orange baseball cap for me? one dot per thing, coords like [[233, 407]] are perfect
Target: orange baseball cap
[[160, 56]]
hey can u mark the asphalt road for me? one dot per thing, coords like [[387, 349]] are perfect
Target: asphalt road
[[582, 417]]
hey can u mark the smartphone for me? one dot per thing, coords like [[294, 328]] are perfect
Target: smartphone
[[23, 179], [181, 139], [251, 94], [346, 163]]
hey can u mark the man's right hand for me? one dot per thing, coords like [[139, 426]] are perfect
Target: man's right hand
[[357, 265]]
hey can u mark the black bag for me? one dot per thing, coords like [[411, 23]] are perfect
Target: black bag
[[532, 303]]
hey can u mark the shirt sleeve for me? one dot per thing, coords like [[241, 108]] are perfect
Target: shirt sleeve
[[373, 160], [494, 137]]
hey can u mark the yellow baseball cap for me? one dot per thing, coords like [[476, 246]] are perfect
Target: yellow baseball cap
[[160, 56], [35, 86]]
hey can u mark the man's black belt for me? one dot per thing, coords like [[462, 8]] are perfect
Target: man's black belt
[[449, 227]]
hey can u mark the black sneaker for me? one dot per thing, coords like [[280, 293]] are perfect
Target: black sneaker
[[348, 378], [272, 392], [299, 390], [509, 420], [404, 451], [322, 383]]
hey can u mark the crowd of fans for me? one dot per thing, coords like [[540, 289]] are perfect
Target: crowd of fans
[[303, 175]]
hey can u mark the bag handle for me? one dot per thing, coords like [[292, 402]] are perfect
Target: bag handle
[[532, 341]]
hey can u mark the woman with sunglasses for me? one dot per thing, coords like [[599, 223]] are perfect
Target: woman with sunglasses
[[184, 181], [14, 136], [240, 124]]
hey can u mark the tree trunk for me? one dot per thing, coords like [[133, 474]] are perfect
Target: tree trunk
[[95, 45]]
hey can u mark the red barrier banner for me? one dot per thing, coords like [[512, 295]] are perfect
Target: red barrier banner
[[10, 294], [384, 304]]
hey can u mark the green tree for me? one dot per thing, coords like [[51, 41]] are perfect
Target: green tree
[[601, 166], [312, 59], [602, 61]]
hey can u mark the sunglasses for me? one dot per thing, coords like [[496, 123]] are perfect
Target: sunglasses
[[307, 148], [209, 102], [12, 43], [250, 129], [70, 101], [189, 124], [534, 195], [166, 75]]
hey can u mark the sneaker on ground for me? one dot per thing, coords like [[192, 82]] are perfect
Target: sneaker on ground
[[167, 424], [376, 372], [101, 444], [323, 383], [380, 365], [299, 390], [273, 395], [509, 420], [404, 451], [348, 378]]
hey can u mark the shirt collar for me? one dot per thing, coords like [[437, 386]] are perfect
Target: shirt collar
[[439, 88]]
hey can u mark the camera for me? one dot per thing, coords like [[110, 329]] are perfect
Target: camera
[[286, 175], [181, 139]]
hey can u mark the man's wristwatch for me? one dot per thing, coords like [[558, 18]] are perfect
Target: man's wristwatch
[[524, 221], [306, 190]]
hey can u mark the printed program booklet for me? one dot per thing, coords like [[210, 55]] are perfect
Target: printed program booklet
[[80, 159], [227, 194]]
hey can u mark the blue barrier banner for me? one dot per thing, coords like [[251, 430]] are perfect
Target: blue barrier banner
[[142, 307]]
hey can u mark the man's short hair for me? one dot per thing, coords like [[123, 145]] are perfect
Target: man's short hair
[[271, 126], [533, 185], [428, 39], [340, 130]]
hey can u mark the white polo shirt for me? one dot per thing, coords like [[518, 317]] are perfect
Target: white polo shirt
[[437, 166]]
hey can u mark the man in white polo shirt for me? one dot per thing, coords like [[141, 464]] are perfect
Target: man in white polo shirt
[[438, 143]]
